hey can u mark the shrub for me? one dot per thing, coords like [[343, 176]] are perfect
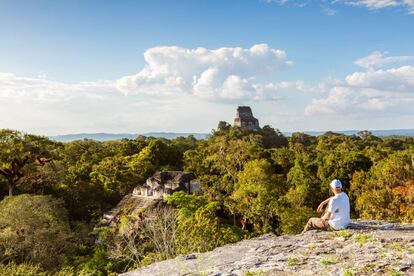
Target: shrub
[[23, 269], [293, 261], [364, 238], [327, 260]]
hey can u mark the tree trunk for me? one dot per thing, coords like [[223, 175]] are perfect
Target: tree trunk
[[11, 189]]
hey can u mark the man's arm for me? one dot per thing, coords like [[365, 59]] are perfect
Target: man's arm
[[323, 203], [327, 216], [330, 209]]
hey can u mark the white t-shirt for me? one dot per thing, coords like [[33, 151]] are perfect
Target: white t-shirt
[[339, 207]]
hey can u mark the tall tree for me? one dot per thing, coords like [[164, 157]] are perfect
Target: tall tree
[[19, 151]]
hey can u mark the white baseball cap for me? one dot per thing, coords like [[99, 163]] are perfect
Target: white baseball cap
[[336, 184]]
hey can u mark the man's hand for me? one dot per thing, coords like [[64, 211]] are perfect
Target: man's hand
[[320, 208], [322, 205]]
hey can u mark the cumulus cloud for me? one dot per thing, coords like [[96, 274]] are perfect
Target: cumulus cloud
[[327, 5], [395, 79], [375, 4], [367, 92], [174, 80], [42, 106], [382, 4], [378, 60], [223, 74], [40, 89]]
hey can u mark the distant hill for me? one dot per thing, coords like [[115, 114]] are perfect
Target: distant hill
[[172, 135], [119, 136]]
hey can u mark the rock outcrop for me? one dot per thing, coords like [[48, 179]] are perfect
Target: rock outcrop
[[129, 205], [367, 248]]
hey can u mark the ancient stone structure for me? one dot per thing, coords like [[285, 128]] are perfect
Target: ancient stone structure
[[244, 118], [368, 248], [151, 194], [128, 206], [165, 183]]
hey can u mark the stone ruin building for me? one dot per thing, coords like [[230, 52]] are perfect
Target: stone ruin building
[[244, 118], [165, 183], [150, 194]]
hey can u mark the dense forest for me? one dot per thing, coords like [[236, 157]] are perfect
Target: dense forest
[[252, 182]]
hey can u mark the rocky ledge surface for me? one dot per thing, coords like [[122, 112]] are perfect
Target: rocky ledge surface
[[367, 248]]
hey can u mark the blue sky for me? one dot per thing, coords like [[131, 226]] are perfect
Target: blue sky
[[79, 66]]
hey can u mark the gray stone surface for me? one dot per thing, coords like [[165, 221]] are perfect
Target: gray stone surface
[[370, 248]]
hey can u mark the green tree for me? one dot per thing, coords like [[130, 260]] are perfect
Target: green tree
[[256, 194], [283, 159], [303, 175], [292, 211], [222, 128], [19, 153], [302, 138], [338, 157], [272, 138], [218, 161], [34, 228], [387, 190], [199, 228], [296, 206], [115, 175], [84, 198]]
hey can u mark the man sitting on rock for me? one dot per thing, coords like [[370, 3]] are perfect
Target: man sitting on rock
[[336, 216]]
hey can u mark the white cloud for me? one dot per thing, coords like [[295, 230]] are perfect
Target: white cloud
[[327, 5], [378, 60], [174, 83], [389, 90], [375, 4], [38, 105], [395, 79], [328, 10], [223, 74], [43, 106], [338, 99], [381, 4], [40, 89]]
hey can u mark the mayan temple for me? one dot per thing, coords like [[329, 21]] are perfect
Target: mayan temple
[[244, 118]]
